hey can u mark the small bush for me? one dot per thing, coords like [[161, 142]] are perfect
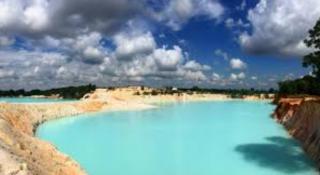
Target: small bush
[[154, 92], [137, 93]]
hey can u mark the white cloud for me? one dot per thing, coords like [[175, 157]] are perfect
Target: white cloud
[[237, 63], [132, 44], [6, 73], [233, 76], [241, 75], [84, 47], [178, 12], [92, 54], [64, 73], [236, 77], [215, 76], [194, 75], [230, 22], [103, 42], [280, 26], [66, 18], [163, 64], [168, 59], [51, 42], [254, 78], [35, 16], [10, 12], [21, 68], [27, 16], [195, 66], [86, 40], [84, 59]]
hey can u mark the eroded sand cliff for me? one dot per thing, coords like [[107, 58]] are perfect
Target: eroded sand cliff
[[27, 154], [301, 117]]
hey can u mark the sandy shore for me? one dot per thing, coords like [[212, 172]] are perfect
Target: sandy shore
[[23, 154]]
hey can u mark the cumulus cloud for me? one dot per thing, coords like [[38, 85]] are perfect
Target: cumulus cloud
[[161, 63], [65, 18], [35, 16], [280, 26], [193, 65], [132, 44], [98, 41], [92, 55], [6, 73], [234, 80], [236, 77], [237, 63], [168, 59], [215, 76], [28, 66], [34, 69], [254, 78], [83, 59], [194, 75], [178, 12], [61, 18], [86, 47]]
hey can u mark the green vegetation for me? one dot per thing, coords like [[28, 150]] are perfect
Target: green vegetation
[[65, 92], [154, 92], [234, 93], [313, 59], [309, 85], [306, 85]]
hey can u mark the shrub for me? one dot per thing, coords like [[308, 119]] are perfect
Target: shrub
[[154, 92], [136, 93]]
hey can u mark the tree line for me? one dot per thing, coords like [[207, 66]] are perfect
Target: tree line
[[234, 93], [71, 92]]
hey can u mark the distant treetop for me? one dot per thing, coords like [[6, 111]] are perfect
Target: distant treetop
[[313, 59]]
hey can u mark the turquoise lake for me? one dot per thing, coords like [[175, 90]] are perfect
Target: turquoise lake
[[203, 138], [31, 100]]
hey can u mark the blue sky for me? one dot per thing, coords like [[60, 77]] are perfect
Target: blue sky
[[207, 43]]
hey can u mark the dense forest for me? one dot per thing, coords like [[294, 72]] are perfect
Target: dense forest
[[70, 92]]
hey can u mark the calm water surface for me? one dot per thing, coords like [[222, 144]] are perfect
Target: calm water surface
[[207, 138]]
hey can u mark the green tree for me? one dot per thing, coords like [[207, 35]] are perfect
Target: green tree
[[313, 59]]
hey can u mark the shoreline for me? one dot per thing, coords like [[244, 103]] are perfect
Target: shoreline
[[25, 154]]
